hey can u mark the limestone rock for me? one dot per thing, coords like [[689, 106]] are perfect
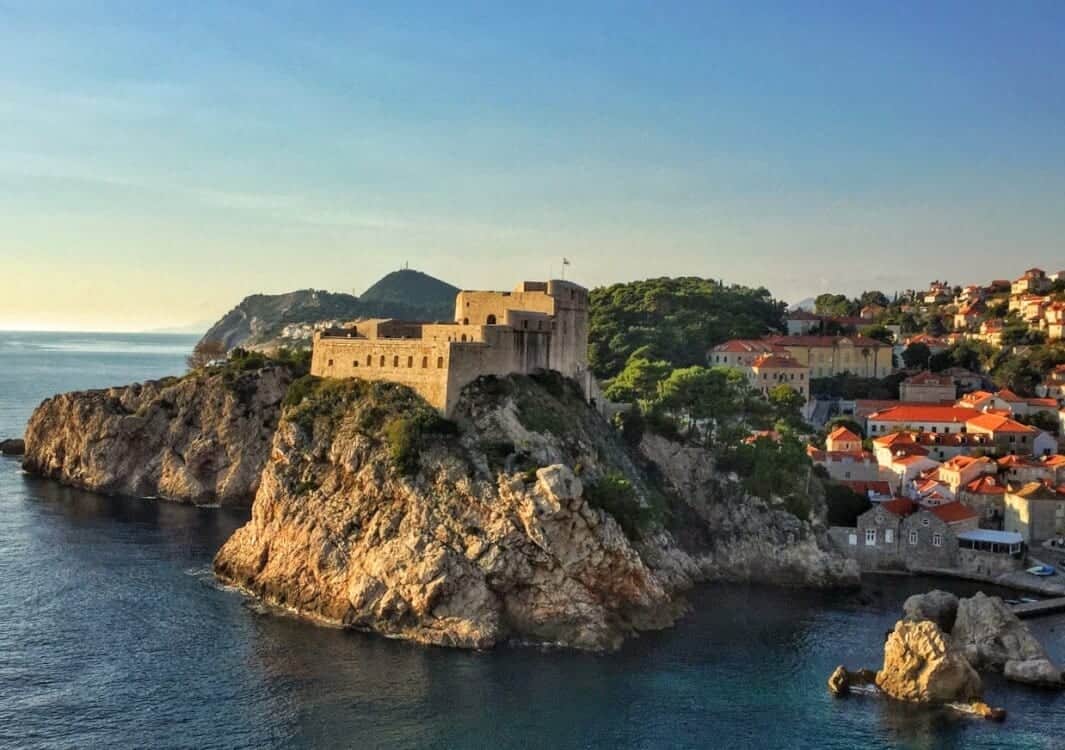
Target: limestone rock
[[839, 683], [990, 634], [730, 535], [201, 439], [12, 447], [454, 550], [921, 665], [941, 607], [1039, 672]]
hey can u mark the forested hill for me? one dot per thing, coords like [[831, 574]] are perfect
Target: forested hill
[[260, 318], [678, 318]]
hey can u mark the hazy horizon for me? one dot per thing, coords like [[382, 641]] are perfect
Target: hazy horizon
[[160, 162]]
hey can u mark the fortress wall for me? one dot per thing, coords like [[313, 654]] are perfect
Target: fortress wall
[[420, 365], [511, 352], [477, 306]]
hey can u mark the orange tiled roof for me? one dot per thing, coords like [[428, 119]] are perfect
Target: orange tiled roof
[[778, 361], [996, 423], [900, 506], [961, 462], [929, 413], [954, 512], [986, 485], [842, 433], [929, 378]]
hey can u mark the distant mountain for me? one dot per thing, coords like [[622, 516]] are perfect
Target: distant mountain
[[414, 288], [267, 319]]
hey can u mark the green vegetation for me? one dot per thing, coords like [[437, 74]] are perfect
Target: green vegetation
[[772, 469], [676, 320], [851, 387], [616, 495], [844, 504]]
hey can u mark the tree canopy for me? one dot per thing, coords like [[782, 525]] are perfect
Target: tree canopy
[[677, 319]]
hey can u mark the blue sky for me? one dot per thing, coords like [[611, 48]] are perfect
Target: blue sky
[[161, 160]]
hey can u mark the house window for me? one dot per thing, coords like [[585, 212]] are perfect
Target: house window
[[913, 537], [425, 362], [937, 540], [889, 536], [369, 360], [355, 363], [382, 360], [439, 362], [924, 521], [870, 537], [410, 361], [491, 320], [329, 363]]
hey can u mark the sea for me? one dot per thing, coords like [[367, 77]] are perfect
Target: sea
[[114, 634]]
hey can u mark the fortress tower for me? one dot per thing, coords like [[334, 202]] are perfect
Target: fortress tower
[[538, 326]]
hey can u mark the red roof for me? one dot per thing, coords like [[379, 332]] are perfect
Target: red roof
[[917, 414], [961, 462], [863, 488], [1007, 395], [1042, 402], [823, 341], [777, 361], [954, 512], [929, 378], [900, 506], [996, 423], [986, 485], [842, 433], [747, 346]]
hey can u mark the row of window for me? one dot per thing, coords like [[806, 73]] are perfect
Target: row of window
[[395, 362], [889, 538]]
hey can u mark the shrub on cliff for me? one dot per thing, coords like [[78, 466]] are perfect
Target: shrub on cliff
[[617, 496]]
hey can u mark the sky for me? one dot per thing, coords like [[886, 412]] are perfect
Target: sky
[[160, 161]]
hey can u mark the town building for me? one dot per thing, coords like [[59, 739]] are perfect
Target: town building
[[934, 418], [770, 370], [1032, 281], [987, 496], [1035, 511], [930, 534], [842, 439], [968, 315], [961, 470], [537, 326], [847, 465], [1009, 435], [834, 355], [928, 387]]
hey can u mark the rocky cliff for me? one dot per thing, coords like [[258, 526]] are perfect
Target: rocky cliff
[[728, 534], [376, 514], [201, 439]]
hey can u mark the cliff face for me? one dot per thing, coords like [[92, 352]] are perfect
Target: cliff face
[[729, 535], [375, 514], [201, 439]]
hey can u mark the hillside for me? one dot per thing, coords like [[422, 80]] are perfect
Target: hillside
[[415, 288], [272, 319]]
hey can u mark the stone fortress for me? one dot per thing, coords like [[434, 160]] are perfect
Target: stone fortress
[[538, 326]]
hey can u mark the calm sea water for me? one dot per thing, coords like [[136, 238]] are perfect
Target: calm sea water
[[113, 634]]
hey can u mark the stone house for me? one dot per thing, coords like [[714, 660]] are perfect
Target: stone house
[[930, 535], [990, 553], [928, 387], [1035, 511], [537, 326], [847, 465], [874, 542], [1032, 281], [1009, 435], [1020, 470], [934, 418], [987, 496], [905, 469]]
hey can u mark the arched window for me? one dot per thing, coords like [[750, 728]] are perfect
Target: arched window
[[369, 360], [382, 360], [410, 361], [465, 322], [439, 362], [491, 320], [425, 362], [395, 361], [464, 337]]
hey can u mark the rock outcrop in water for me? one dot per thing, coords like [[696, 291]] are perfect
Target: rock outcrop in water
[[201, 439], [12, 447], [994, 638], [922, 665], [941, 607]]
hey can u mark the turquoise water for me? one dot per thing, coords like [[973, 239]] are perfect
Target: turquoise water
[[113, 633]]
